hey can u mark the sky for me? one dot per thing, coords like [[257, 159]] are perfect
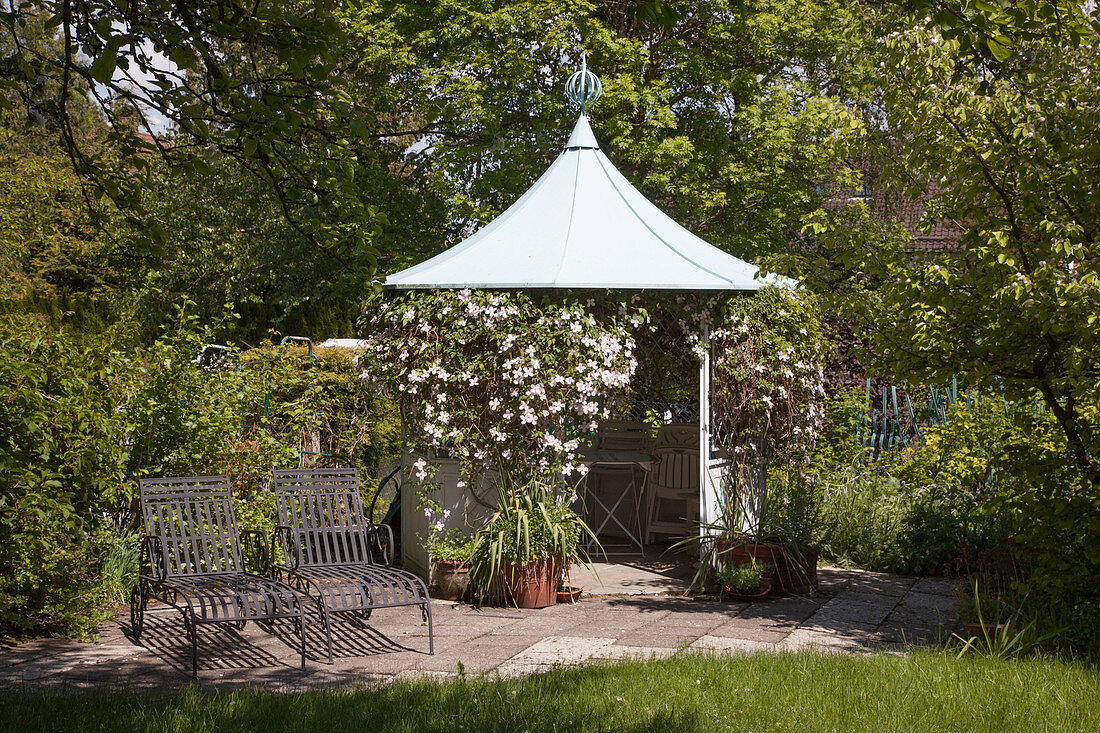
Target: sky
[[135, 75]]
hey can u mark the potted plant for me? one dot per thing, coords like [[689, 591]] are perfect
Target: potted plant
[[450, 553], [733, 539], [794, 520], [526, 546], [736, 550], [745, 582], [569, 593], [784, 534]]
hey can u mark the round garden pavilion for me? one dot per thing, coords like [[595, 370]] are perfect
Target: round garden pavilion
[[583, 226]]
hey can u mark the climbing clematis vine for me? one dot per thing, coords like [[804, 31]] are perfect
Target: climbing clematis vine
[[499, 381]]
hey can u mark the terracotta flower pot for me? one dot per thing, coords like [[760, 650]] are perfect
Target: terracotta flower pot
[[569, 594], [453, 579], [986, 631], [741, 595], [746, 553], [533, 585], [797, 573]]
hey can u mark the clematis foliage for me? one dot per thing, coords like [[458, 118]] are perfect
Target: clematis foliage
[[500, 381]]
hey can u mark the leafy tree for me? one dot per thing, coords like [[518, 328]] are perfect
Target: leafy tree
[[226, 242], [727, 114], [47, 243], [1000, 146], [53, 259], [262, 84], [991, 109]]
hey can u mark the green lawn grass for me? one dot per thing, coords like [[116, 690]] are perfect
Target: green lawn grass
[[923, 691]]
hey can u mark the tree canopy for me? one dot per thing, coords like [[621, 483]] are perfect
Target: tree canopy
[[991, 112], [310, 147]]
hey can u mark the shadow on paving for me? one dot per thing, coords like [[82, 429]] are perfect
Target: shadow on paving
[[781, 609], [352, 637], [222, 647], [875, 612]]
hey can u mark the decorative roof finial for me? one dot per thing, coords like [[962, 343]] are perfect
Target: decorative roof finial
[[583, 88]]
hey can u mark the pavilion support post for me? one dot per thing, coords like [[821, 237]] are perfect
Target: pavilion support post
[[407, 539], [709, 508]]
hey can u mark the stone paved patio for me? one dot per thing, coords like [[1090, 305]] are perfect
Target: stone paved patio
[[854, 611]]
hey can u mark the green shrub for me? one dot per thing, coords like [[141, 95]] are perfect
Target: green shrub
[[913, 510], [83, 417], [260, 409], [865, 509], [452, 546], [62, 465], [993, 471], [49, 582], [1079, 627], [881, 523], [746, 577]]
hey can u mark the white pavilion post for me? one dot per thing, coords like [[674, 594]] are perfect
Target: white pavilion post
[[708, 491]]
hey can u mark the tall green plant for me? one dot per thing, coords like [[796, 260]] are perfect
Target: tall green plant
[[531, 524]]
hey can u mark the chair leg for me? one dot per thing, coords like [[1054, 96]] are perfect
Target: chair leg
[[137, 609], [193, 632], [328, 627], [431, 633], [301, 623], [651, 508]]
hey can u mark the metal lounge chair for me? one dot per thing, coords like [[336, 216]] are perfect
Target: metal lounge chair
[[334, 553], [195, 561]]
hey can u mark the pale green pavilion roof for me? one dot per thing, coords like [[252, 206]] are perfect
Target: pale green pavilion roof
[[583, 225]]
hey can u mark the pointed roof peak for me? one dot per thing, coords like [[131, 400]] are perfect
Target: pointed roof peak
[[583, 225], [582, 136]]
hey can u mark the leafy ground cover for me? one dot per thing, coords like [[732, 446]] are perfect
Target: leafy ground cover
[[926, 691]]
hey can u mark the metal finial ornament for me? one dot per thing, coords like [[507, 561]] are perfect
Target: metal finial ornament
[[583, 88]]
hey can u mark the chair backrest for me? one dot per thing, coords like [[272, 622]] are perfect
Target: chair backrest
[[678, 468], [324, 511], [193, 517], [620, 435], [681, 435]]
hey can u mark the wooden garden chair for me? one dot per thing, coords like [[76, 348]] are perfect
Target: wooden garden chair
[[673, 492], [334, 553], [194, 560]]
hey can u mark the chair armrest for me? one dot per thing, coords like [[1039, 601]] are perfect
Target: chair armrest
[[255, 548], [158, 560], [381, 538], [284, 535]]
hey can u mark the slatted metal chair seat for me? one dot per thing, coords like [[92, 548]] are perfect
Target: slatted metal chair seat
[[194, 560], [215, 597], [356, 587], [334, 553]]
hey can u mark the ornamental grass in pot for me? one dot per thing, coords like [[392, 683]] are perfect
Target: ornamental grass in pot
[[527, 545]]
